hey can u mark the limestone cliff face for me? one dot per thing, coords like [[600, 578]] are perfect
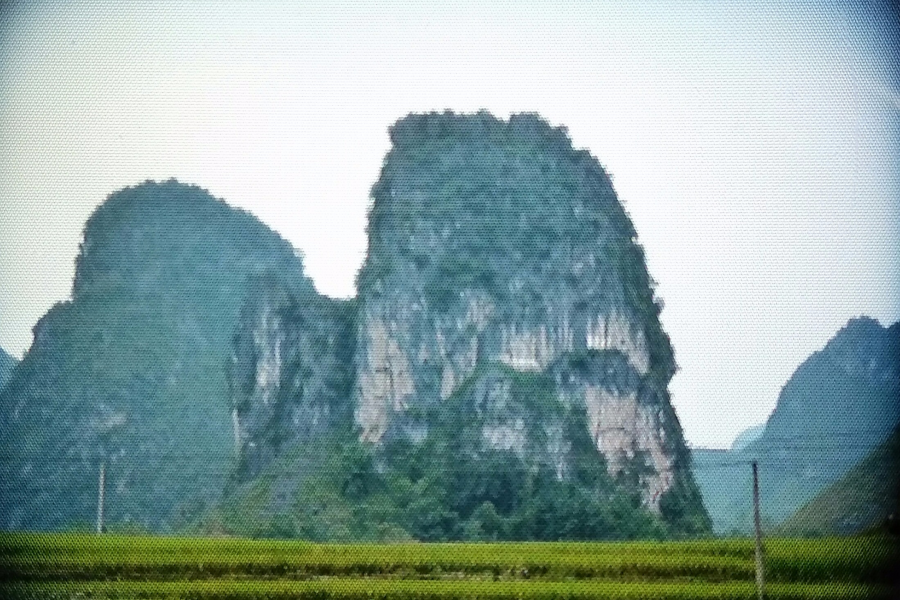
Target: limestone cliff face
[[496, 243], [627, 419], [289, 373], [502, 373]]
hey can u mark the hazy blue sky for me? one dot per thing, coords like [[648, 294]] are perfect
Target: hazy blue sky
[[755, 148]]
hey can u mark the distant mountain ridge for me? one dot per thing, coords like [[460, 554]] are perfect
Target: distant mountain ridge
[[837, 407], [748, 436], [845, 394]]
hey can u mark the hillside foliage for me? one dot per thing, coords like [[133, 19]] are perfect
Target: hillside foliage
[[161, 274]]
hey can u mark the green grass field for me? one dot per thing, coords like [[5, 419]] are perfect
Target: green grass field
[[85, 566]]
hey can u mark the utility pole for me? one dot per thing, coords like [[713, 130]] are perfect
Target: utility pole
[[760, 578], [100, 497], [107, 427]]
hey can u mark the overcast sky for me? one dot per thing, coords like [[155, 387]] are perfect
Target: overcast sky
[[755, 148]]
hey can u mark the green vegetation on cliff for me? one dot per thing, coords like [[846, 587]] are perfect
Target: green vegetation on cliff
[[502, 374], [131, 370], [341, 489], [467, 201], [503, 297]]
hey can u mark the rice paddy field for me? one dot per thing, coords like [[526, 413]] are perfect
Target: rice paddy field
[[86, 566]]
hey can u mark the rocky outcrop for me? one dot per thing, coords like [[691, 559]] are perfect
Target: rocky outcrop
[[494, 242], [625, 417], [507, 360], [289, 375]]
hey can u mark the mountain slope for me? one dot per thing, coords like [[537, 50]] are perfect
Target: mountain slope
[[510, 372], [864, 497], [838, 406], [131, 370]]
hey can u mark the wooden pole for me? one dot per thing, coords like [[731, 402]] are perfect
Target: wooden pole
[[100, 497], [760, 577]]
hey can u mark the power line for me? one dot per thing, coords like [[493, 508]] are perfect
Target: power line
[[760, 455], [129, 465]]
